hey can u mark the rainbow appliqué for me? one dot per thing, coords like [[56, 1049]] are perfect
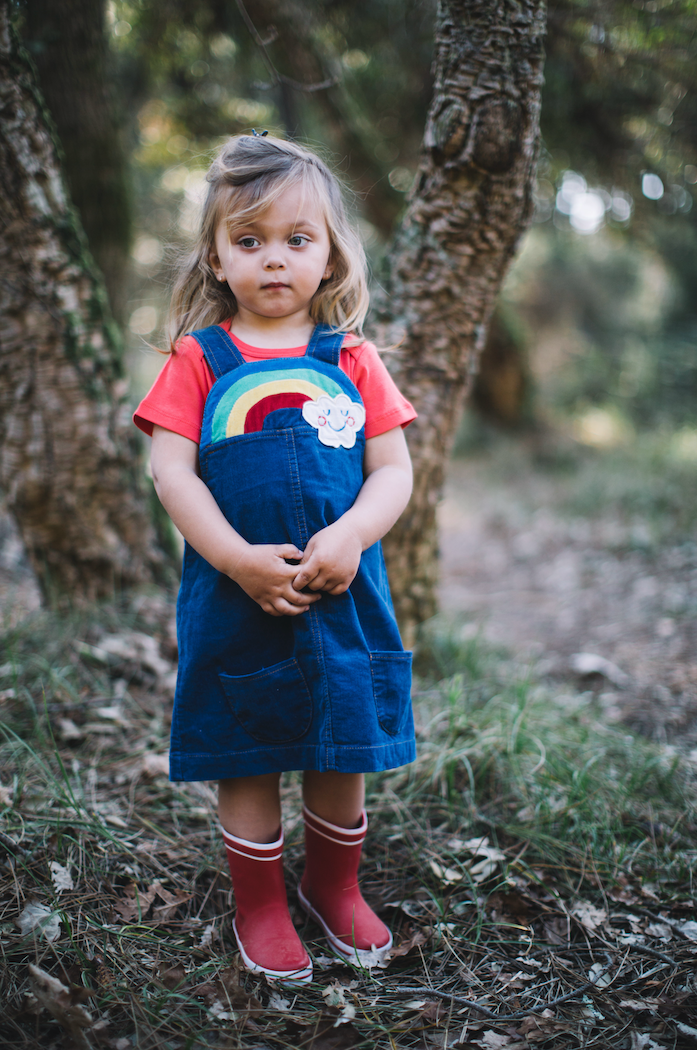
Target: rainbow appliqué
[[245, 405]]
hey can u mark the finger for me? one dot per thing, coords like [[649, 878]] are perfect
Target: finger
[[281, 607], [301, 598], [305, 577], [340, 588], [286, 608], [288, 550], [320, 583]]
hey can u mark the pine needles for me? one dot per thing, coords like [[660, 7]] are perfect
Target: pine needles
[[535, 865]]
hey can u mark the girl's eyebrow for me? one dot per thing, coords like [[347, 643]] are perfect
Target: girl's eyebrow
[[306, 222], [256, 223]]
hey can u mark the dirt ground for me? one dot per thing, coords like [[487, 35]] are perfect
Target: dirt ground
[[551, 587], [548, 587]]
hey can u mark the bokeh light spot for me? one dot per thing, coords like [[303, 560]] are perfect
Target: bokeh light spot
[[651, 186]]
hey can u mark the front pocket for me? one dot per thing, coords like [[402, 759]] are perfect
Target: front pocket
[[273, 705], [391, 674]]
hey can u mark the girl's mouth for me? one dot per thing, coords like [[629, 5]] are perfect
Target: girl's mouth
[[277, 284]]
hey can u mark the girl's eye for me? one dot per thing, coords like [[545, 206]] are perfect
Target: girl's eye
[[297, 240], [248, 242]]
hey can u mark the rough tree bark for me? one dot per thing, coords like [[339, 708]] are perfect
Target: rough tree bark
[[471, 201], [68, 44], [69, 464]]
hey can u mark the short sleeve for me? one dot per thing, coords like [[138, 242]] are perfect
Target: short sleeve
[[177, 397], [385, 407]]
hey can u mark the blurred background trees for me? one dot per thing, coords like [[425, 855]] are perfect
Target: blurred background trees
[[608, 274], [595, 332], [174, 78]]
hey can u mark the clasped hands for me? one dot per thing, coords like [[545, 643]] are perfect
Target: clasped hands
[[286, 581]]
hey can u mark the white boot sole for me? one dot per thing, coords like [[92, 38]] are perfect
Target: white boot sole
[[302, 976], [364, 957]]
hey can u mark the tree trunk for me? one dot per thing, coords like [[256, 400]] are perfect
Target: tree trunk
[[471, 201], [67, 42], [69, 465], [501, 388]]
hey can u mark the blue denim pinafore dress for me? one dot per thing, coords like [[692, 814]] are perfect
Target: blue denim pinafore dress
[[281, 450]]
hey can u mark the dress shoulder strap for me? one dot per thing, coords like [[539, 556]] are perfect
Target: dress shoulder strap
[[325, 344], [218, 349]]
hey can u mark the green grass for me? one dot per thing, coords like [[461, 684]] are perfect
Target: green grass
[[573, 810], [540, 766]]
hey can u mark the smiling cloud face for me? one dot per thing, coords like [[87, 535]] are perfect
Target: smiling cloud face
[[336, 419]]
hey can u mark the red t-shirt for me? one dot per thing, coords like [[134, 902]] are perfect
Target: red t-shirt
[[177, 397]]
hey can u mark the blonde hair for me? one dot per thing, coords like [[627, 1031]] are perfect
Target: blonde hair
[[248, 175]]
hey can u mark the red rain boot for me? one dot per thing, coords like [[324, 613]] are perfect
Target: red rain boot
[[263, 928], [329, 890]]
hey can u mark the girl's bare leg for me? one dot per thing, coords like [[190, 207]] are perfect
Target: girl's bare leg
[[250, 807], [336, 797]]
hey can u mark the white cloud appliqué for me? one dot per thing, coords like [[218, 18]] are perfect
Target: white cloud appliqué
[[336, 419]]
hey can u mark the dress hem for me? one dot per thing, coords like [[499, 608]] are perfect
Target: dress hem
[[341, 759]]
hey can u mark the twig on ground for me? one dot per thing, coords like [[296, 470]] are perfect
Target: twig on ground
[[517, 1016]]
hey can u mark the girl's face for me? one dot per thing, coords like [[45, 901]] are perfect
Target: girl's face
[[274, 265]]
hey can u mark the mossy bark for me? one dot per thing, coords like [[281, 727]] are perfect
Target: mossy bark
[[69, 464], [471, 201], [67, 42]]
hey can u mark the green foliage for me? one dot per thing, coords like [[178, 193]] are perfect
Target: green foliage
[[620, 79], [632, 317], [540, 766]]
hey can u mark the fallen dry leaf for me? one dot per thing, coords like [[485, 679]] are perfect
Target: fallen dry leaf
[[495, 1041], [413, 940], [154, 765], [590, 917], [555, 930], [537, 1028], [38, 917], [136, 903], [637, 1005], [68, 730], [687, 929], [448, 876], [61, 878], [660, 930], [643, 1041], [590, 663], [164, 912], [64, 1004], [172, 976], [135, 647]]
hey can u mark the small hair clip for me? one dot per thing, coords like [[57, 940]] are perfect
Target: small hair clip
[[259, 134]]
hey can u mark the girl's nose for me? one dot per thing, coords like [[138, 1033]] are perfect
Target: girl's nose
[[274, 261]]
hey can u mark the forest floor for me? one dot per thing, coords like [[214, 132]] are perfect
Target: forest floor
[[561, 561], [536, 863]]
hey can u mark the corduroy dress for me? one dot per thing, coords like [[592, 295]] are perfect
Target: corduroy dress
[[281, 450]]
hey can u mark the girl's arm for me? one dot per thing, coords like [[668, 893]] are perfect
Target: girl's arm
[[332, 556], [260, 569]]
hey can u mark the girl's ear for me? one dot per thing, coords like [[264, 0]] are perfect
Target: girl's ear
[[215, 264]]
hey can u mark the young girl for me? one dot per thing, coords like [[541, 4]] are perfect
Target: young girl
[[278, 451]]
